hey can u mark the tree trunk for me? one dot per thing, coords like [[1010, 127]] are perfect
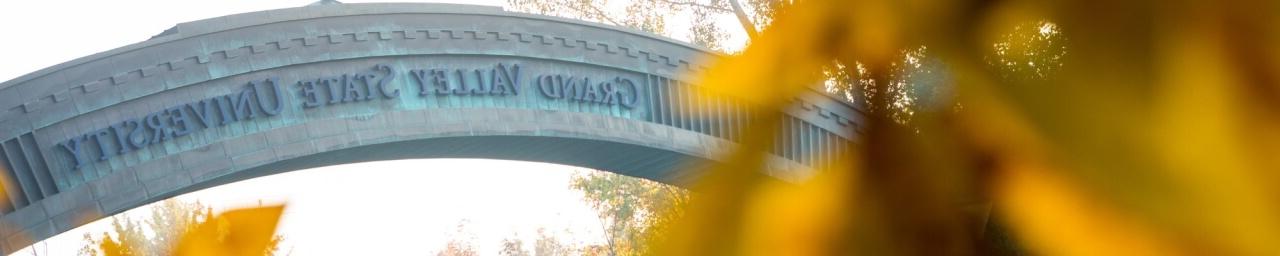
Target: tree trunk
[[742, 18]]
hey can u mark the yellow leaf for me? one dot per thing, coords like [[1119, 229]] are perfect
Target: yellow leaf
[[237, 232], [791, 219], [1055, 217]]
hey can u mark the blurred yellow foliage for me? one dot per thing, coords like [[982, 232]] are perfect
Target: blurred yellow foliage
[[246, 231], [1159, 135]]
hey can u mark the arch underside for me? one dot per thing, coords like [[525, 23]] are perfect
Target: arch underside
[[626, 159]]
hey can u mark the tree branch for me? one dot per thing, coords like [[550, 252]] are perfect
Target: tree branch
[[742, 18], [608, 236], [696, 4], [602, 15]]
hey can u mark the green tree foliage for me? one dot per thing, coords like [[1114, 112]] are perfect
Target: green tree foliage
[[705, 32], [547, 244], [1031, 51], [919, 83], [915, 82], [169, 220], [634, 211]]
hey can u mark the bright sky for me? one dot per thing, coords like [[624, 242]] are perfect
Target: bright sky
[[397, 207], [381, 208]]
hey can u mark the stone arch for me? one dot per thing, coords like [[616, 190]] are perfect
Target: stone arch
[[101, 134]]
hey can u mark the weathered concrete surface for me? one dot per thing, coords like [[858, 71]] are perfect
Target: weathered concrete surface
[[667, 131]]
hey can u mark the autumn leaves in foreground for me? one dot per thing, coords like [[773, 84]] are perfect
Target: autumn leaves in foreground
[[249, 231], [1159, 134]]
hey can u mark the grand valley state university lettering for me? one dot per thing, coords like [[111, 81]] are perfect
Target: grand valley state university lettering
[[266, 98]]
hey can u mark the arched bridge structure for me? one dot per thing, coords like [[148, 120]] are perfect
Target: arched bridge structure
[[246, 95]]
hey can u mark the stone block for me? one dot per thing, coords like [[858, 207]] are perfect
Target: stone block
[[28, 216], [51, 113], [167, 184], [30, 235], [155, 168], [406, 118], [522, 129], [204, 170], [80, 215], [326, 127], [14, 125], [142, 88], [286, 135], [375, 136], [10, 98], [124, 200], [202, 155], [114, 183], [411, 130], [296, 149], [91, 101], [253, 159], [68, 200], [367, 122], [335, 142], [7, 228], [245, 144]]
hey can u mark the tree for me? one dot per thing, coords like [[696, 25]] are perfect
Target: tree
[[1031, 51], [546, 244], [634, 211], [459, 243], [169, 220], [512, 246], [915, 82], [128, 240], [653, 15], [458, 248]]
